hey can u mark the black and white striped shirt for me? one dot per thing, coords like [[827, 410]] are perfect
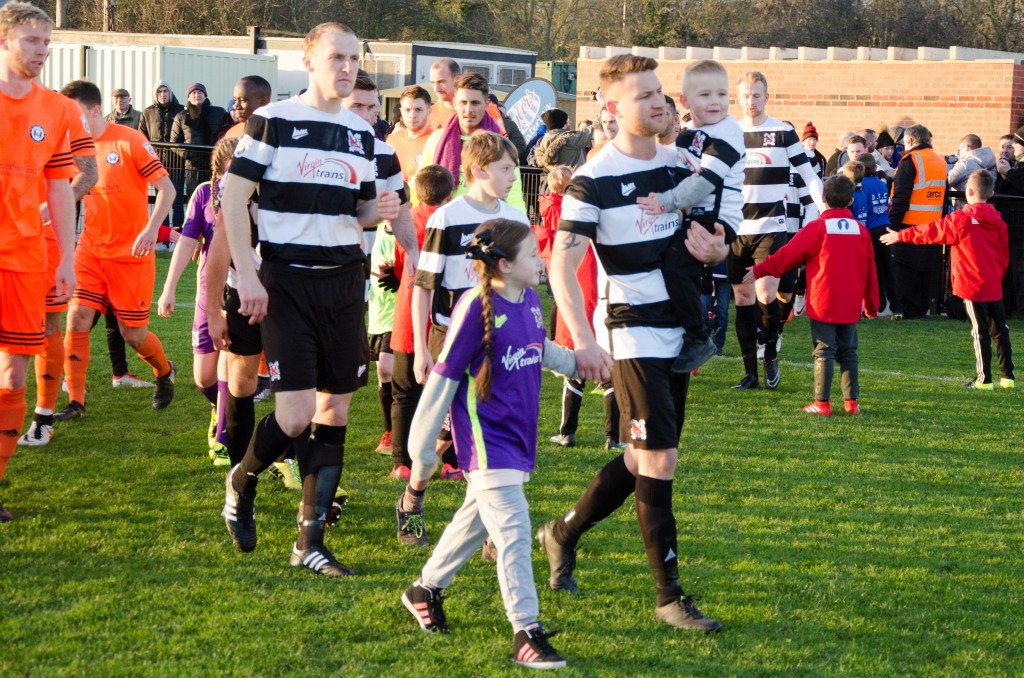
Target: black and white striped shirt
[[773, 151], [715, 156], [600, 204], [314, 169], [443, 265]]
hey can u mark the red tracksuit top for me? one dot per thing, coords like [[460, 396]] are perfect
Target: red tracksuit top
[[981, 249], [840, 262]]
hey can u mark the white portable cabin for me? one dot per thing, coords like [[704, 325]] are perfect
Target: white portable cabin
[[138, 68]]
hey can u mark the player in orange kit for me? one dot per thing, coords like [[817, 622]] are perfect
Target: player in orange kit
[[115, 261], [35, 143]]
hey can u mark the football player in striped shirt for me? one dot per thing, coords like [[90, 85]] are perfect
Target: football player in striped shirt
[[312, 162], [600, 207], [773, 151]]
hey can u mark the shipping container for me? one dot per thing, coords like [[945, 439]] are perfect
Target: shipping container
[[138, 68]]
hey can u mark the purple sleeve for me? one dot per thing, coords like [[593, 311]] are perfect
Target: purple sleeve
[[195, 215], [465, 337]]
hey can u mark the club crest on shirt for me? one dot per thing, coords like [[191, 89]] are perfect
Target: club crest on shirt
[[113, 158], [638, 429], [355, 142], [37, 133], [697, 145], [85, 124], [149, 149], [538, 317], [769, 139]]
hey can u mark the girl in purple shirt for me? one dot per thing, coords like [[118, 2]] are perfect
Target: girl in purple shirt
[[488, 376], [196, 235]]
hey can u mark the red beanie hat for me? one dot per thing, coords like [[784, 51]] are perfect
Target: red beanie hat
[[809, 131]]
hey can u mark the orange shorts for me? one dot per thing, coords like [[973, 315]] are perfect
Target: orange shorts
[[125, 286], [52, 262], [23, 312]]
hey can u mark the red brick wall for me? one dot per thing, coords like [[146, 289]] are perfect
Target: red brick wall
[[951, 98]]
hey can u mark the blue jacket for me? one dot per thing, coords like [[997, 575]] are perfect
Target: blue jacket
[[878, 202]]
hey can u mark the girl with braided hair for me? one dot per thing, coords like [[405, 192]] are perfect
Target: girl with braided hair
[[488, 375]]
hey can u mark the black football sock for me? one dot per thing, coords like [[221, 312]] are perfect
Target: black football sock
[[770, 317], [607, 491], [321, 462], [572, 399], [384, 395], [239, 421], [658, 528], [449, 457], [746, 336], [267, 443]]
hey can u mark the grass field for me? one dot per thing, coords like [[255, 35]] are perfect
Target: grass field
[[886, 544]]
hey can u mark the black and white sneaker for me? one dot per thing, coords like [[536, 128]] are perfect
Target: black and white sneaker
[[73, 410], [683, 614], [412, 530], [38, 434], [164, 393], [748, 383], [427, 605], [320, 560], [532, 649], [772, 377], [561, 560], [240, 515]]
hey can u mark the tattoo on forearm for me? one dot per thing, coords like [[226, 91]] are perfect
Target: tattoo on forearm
[[572, 242]]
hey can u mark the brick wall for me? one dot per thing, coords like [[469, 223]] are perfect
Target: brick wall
[[951, 98]]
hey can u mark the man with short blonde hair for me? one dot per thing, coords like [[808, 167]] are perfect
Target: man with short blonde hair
[[35, 144]]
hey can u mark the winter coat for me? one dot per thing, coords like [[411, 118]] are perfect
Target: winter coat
[[157, 120], [201, 125], [974, 159], [131, 118], [564, 147]]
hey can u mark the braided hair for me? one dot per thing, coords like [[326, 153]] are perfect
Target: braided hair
[[493, 240]]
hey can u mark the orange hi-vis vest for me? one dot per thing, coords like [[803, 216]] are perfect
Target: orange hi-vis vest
[[929, 192]]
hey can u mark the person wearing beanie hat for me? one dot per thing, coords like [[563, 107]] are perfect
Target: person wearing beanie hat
[[885, 148], [200, 124], [123, 113], [809, 139], [560, 145]]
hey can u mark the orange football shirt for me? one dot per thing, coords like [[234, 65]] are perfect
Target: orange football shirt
[[35, 144], [117, 207]]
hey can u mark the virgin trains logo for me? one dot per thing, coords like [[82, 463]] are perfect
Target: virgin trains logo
[[531, 354], [758, 159], [654, 224], [331, 171]]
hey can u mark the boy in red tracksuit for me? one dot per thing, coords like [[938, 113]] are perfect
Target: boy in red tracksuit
[[840, 283], [978, 237]]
